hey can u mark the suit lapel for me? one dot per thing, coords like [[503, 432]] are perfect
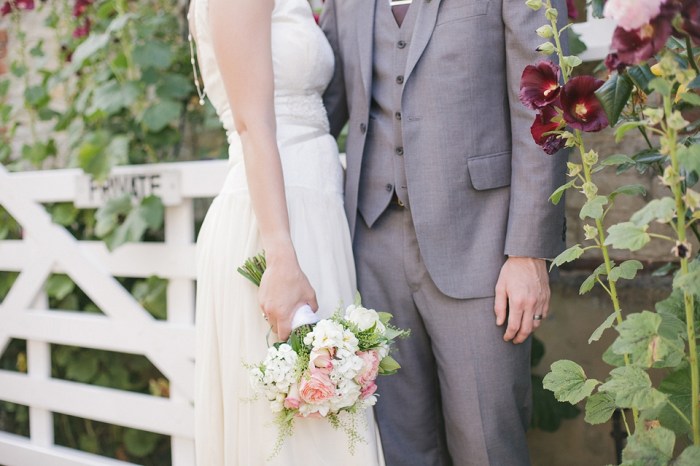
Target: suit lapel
[[422, 31], [365, 40]]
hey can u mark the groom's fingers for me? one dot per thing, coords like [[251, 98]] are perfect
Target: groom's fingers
[[515, 317], [500, 306]]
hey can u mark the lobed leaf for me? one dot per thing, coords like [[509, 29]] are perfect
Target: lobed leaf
[[593, 208], [627, 235], [631, 388], [568, 382], [607, 323], [653, 447], [599, 408], [627, 270], [590, 281], [571, 254]]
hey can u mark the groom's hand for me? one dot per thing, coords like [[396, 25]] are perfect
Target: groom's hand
[[522, 292]]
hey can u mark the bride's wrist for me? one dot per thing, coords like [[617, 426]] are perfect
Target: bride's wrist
[[279, 250]]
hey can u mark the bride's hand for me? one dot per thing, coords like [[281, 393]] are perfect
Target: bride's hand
[[283, 289]]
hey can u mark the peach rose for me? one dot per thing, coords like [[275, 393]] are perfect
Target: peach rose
[[317, 387], [321, 359], [370, 367], [368, 390], [292, 401]]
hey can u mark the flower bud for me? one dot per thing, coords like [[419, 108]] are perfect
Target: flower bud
[[692, 199], [551, 14], [590, 158], [545, 32], [574, 169], [590, 231], [590, 189], [572, 61], [676, 121], [546, 48], [653, 115], [534, 4]]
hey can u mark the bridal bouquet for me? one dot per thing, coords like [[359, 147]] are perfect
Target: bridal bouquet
[[327, 369]]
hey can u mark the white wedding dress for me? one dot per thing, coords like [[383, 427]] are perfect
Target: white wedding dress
[[231, 428]]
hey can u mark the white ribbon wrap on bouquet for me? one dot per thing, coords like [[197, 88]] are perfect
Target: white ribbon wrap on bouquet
[[303, 316]]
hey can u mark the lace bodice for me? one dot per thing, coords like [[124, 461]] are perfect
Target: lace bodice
[[302, 63]]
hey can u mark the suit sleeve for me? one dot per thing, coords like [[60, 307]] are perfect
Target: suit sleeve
[[335, 97], [536, 227]]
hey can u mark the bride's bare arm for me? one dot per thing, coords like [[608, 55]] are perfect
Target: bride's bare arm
[[241, 36]]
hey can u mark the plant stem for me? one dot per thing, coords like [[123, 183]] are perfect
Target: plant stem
[[691, 57], [612, 290], [679, 412], [688, 300]]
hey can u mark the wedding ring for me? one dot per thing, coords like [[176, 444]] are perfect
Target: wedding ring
[[264, 315], [537, 317]]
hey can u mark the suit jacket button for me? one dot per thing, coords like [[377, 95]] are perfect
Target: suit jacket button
[[399, 80], [399, 151], [363, 128], [401, 44], [389, 187]]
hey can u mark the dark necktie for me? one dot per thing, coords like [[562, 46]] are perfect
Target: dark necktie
[[399, 12]]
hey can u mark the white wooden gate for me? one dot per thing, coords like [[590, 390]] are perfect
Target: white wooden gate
[[126, 327]]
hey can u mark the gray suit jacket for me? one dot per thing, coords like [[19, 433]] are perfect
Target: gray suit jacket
[[478, 184]]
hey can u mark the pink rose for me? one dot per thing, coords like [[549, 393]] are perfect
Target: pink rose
[[292, 401], [316, 387], [368, 390], [370, 367], [321, 359], [632, 14]]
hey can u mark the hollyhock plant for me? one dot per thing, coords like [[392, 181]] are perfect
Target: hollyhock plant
[[83, 30], [539, 85], [542, 129], [582, 109], [8, 6], [80, 7], [638, 45]]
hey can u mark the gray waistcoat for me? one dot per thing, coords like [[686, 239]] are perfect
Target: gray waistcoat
[[383, 170]]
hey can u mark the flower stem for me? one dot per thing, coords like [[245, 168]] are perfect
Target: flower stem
[[612, 287], [688, 300]]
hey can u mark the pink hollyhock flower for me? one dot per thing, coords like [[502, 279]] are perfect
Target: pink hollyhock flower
[[370, 367], [632, 14], [640, 44], [321, 359], [571, 8], [368, 390], [539, 85], [317, 387], [80, 6], [582, 109], [292, 401], [550, 143]]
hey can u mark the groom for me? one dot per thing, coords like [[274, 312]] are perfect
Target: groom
[[447, 198]]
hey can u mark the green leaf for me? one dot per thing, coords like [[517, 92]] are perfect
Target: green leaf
[[590, 281], [90, 46], [83, 366], [613, 96], [568, 382], [689, 157], [64, 213], [89, 443], [59, 286], [174, 86], [661, 86], [151, 294], [92, 156], [557, 195], [640, 339], [599, 408], [625, 128], [37, 96], [627, 235], [663, 210], [118, 150], [547, 412], [653, 447], [593, 208], [627, 270], [384, 317], [607, 323], [613, 359], [677, 386], [153, 54], [107, 217], [629, 190], [597, 8], [571, 254], [691, 98], [641, 76], [112, 96], [618, 159], [158, 116], [689, 457], [388, 366], [690, 282], [147, 215], [140, 443], [631, 388]]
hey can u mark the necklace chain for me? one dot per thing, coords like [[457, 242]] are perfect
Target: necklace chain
[[202, 93]]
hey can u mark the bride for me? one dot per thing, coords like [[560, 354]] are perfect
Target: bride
[[264, 65]]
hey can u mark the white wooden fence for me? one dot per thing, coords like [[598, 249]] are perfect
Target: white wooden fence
[[126, 327]]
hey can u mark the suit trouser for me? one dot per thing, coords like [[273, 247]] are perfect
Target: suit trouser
[[463, 395]]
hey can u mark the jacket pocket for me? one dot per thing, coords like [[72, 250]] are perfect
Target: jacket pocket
[[490, 171], [458, 11]]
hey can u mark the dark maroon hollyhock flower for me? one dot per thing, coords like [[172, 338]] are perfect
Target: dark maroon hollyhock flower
[[690, 12], [639, 45], [543, 123], [613, 63], [80, 7], [582, 110], [539, 85], [571, 7], [83, 30], [19, 4]]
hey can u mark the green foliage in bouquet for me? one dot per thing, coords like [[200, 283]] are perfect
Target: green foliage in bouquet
[[652, 90]]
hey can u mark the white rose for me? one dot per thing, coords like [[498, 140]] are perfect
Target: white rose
[[364, 318]]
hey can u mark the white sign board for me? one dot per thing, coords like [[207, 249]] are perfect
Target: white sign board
[[137, 183]]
